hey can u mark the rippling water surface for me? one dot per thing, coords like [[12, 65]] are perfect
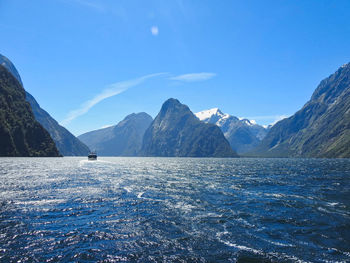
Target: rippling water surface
[[174, 210]]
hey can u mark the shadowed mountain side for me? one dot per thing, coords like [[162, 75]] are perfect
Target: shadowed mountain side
[[123, 139], [20, 133], [320, 129], [177, 132], [67, 143], [241, 138]]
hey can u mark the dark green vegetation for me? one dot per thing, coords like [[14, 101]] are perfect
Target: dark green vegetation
[[320, 129], [20, 133], [5, 62], [177, 132], [123, 139], [67, 143]]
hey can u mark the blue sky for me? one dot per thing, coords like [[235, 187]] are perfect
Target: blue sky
[[89, 63]]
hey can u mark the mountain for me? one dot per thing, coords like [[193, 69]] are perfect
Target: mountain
[[320, 129], [20, 133], [177, 132], [123, 139], [5, 62], [243, 135], [67, 143]]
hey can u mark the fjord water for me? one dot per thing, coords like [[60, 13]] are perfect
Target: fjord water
[[174, 210]]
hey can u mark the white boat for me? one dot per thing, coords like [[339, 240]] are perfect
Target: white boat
[[92, 156]]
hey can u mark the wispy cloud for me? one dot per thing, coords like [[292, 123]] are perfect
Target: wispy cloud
[[110, 91], [193, 77], [91, 4], [154, 30]]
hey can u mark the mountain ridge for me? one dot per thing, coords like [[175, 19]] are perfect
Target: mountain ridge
[[123, 139], [5, 62], [242, 134], [67, 143], [321, 128], [20, 134], [176, 132]]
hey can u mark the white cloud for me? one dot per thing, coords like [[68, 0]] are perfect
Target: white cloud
[[193, 77], [110, 91], [154, 30]]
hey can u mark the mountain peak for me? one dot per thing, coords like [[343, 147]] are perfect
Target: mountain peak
[[207, 114], [135, 117], [177, 132], [320, 128], [171, 102], [345, 65], [249, 122], [21, 134], [5, 62], [123, 139], [332, 87], [242, 134], [171, 105]]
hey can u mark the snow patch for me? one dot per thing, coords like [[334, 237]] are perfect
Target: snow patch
[[221, 118], [207, 114], [107, 126]]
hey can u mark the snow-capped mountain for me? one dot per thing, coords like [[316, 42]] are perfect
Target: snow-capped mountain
[[242, 134], [212, 115]]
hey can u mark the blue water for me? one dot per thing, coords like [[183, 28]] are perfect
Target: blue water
[[174, 210]]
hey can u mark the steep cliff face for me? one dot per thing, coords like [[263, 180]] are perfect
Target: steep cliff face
[[20, 133], [123, 139], [320, 129], [67, 143], [177, 132]]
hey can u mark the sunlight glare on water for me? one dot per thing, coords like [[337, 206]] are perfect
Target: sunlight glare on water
[[174, 209]]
